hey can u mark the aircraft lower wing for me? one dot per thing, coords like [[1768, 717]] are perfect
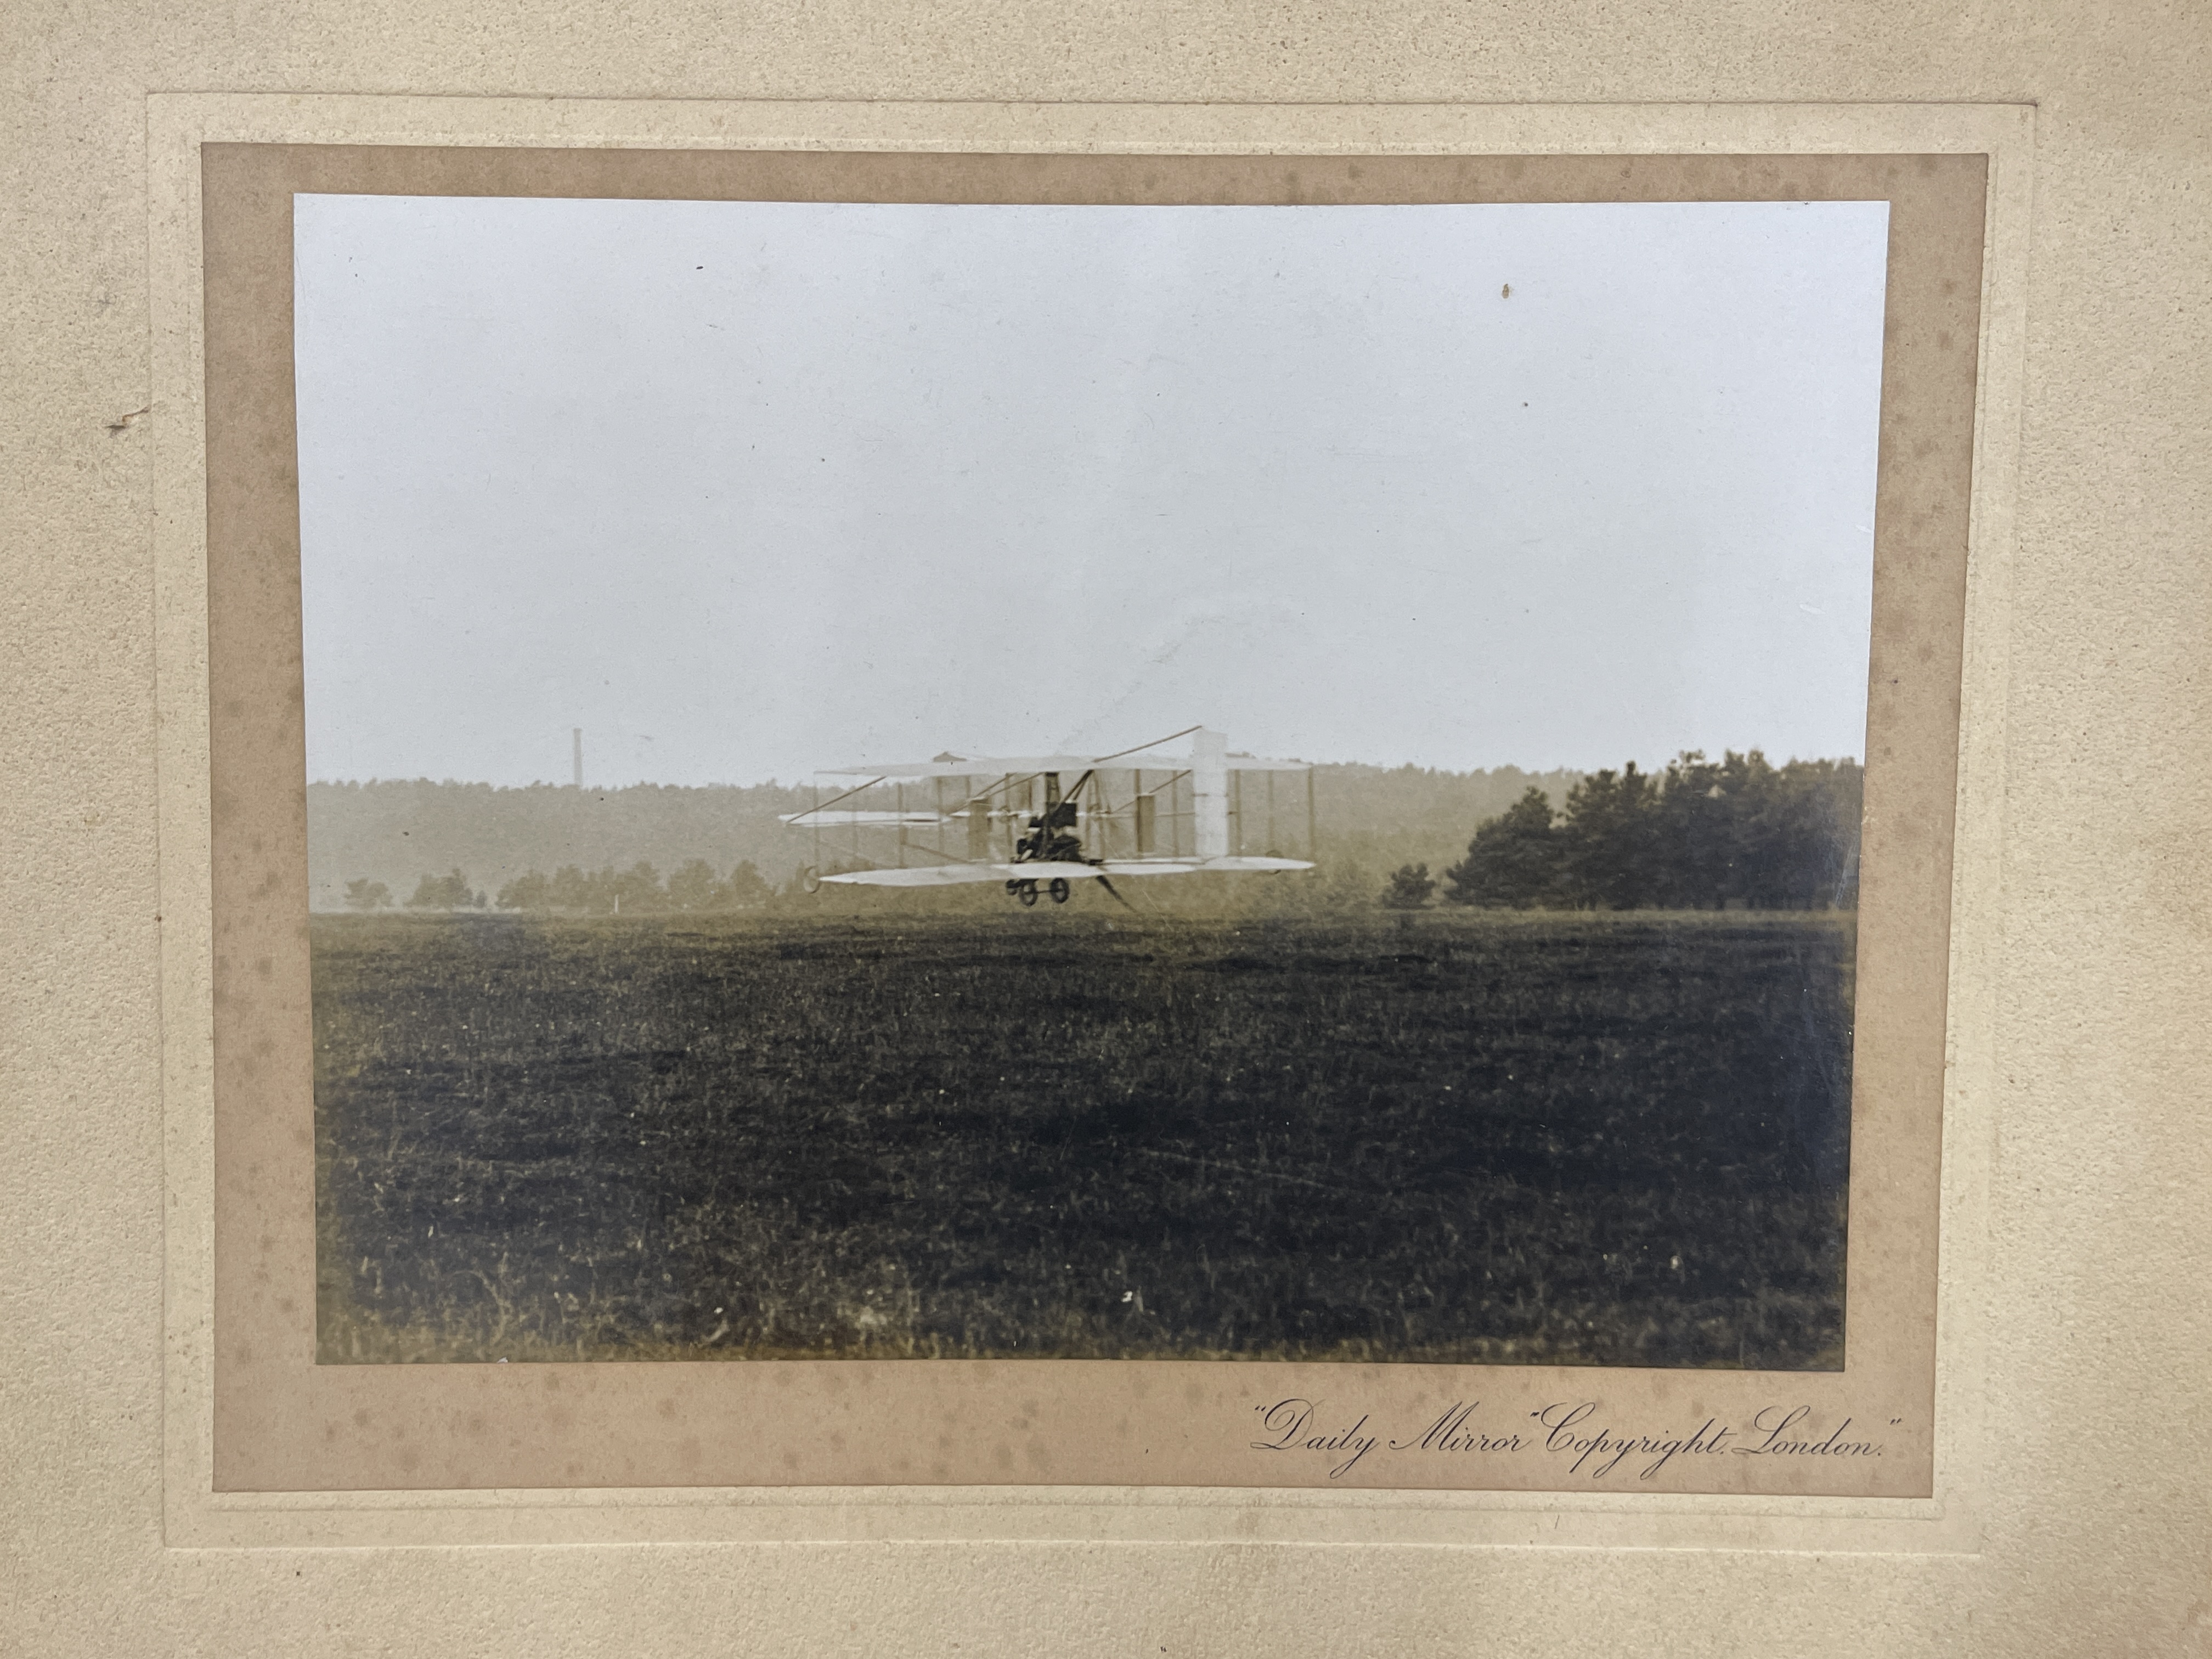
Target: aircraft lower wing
[[954, 875], [928, 875]]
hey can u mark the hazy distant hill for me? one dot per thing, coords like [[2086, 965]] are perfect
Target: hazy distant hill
[[397, 832], [1379, 818]]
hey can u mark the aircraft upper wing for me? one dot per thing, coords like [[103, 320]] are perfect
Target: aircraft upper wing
[[977, 766], [844, 820], [1000, 766]]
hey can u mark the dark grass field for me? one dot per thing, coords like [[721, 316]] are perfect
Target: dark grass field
[[1600, 1139]]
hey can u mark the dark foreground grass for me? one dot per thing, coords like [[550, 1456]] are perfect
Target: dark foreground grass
[[1612, 1140]]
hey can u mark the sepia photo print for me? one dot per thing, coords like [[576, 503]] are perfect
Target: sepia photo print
[[951, 781]]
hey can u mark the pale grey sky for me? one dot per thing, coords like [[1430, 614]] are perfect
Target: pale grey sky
[[745, 489]]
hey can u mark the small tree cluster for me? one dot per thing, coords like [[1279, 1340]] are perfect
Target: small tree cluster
[[450, 891], [637, 890], [1702, 835], [1409, 888], [362, 894]]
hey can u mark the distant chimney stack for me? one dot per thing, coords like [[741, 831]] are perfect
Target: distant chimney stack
[[576, 751]]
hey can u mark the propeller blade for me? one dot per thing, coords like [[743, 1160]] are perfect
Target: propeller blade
[[1118, 899]]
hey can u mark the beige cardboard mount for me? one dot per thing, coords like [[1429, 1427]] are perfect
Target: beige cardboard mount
[[266, 1445]]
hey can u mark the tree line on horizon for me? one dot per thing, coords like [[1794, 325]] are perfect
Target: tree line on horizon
[[1739, 832], [638, 890], [1372, 819], [1703, 835]]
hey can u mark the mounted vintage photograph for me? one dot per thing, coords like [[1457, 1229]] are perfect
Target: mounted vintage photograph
[[893, 781]]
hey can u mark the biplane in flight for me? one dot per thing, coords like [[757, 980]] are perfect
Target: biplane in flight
[[1136, 812]]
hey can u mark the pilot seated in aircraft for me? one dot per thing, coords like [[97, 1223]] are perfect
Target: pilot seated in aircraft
[[1051, 839], [1061, 844]]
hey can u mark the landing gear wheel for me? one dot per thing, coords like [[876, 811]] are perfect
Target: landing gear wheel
[[1059, 889], [810, 879], [1026, 893]]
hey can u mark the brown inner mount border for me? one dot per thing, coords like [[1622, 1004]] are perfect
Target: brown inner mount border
[[283, 1423]]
